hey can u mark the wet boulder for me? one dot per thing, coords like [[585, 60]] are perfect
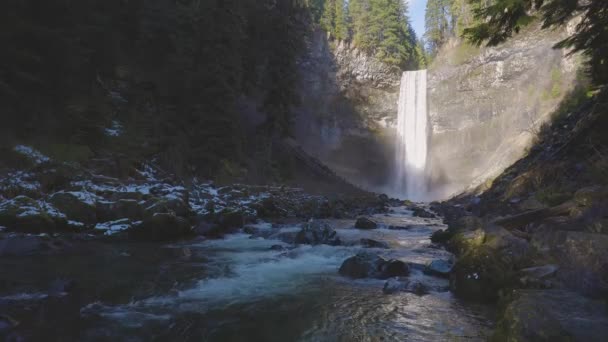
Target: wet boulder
[[362, 265], [317, 233], [365, 223], [161, 227], [367, 265], [369, 243], [394, 268], [395, 285], [423, 213]]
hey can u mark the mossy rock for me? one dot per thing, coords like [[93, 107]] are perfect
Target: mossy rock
[[161, 227], [480, 274], [74, 207], [461, 243], [26, 215]]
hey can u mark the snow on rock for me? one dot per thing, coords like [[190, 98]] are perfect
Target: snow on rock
[[115, 130], [19, 182], [114, 227], [34, 155]]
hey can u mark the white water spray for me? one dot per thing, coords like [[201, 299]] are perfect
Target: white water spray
[[411, 139]]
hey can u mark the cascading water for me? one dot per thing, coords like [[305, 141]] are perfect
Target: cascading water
[[411, 139]]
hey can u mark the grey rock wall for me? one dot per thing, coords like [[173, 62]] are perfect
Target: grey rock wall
[[486, 105]]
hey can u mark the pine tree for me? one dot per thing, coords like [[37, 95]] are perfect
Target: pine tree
[[328, 18], [437, 22], [340, 26]]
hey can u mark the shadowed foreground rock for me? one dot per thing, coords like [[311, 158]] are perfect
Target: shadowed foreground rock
[[552, 315]]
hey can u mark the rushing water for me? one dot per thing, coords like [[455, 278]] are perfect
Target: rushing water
[[411, 139], [239, 289]]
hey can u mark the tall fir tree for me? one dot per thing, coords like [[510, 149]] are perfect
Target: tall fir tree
[[437, 22]]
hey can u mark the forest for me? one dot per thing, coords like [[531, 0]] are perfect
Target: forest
[[303, 170]]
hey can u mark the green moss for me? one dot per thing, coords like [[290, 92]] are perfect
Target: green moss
[[480, 274]]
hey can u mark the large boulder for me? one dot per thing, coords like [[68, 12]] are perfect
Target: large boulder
[[367, 265], [77, 206], [362, 265], [317, 233], [365, 223], [480, 274], [552, 315], [24, 214], [582, 257], [161, 227]]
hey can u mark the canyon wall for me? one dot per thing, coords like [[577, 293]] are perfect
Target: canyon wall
[[485, 106]]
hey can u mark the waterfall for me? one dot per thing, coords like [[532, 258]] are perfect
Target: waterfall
[[411, 139]]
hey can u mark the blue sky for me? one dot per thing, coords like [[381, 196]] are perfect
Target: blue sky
[[416, 9]]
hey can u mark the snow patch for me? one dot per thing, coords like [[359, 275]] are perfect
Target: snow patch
[[33, 154], [115, 130]]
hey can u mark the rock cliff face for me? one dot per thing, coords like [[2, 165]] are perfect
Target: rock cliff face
[[485, 106], [348, 100]]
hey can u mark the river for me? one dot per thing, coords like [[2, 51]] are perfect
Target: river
[[241, 288]]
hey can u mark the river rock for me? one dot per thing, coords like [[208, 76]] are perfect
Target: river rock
[[394, 268], [367, 265], [365, 223], [441, 268], [398, 284], [26, 215], [552, 315], [77, 206], [316, 233], [420, 212], [161, 227], [362, 265], [369, 243]]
